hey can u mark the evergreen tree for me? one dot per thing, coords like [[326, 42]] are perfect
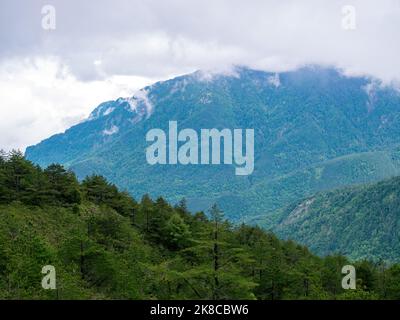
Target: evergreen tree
[[176, 233], [104, 245], [62, 186], [215, 271]]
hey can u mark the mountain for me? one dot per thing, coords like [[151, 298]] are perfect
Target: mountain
[[315, 129], [360, 222], [102, 244]]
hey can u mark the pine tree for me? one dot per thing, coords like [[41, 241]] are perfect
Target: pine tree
[[62, 185], [216, 263], [176, 233]]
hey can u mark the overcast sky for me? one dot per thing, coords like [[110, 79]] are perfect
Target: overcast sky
[[101, 50]]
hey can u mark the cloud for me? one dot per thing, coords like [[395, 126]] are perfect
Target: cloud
[[100, 45], [155, 38], [40, 97]]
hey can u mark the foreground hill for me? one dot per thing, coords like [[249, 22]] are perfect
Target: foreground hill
[[315, 129], [359, 222], [105, 245]]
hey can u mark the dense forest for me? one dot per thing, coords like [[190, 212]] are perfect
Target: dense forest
[[361, 222], [105, 245]]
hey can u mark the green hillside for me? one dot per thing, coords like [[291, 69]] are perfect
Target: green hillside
[[315, 129], [347, 170], [105, 245], [359, 222]]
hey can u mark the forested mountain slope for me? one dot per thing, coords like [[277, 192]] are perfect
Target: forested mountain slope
[[105, 245], [359, 222], [315, 129]]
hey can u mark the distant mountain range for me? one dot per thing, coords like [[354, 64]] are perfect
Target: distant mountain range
[[315, 129]]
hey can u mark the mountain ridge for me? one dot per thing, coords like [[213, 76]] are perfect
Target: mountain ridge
[[302, 119], [103, 244], [361, 222]]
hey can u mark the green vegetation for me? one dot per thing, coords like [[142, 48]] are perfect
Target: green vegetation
[[315, 131], [105, 245], [361, 222]]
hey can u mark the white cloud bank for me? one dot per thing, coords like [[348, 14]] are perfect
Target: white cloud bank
[[40, 97], [105, 49]]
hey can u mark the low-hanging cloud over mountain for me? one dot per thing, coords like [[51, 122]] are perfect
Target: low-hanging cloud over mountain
[[104, 49]]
